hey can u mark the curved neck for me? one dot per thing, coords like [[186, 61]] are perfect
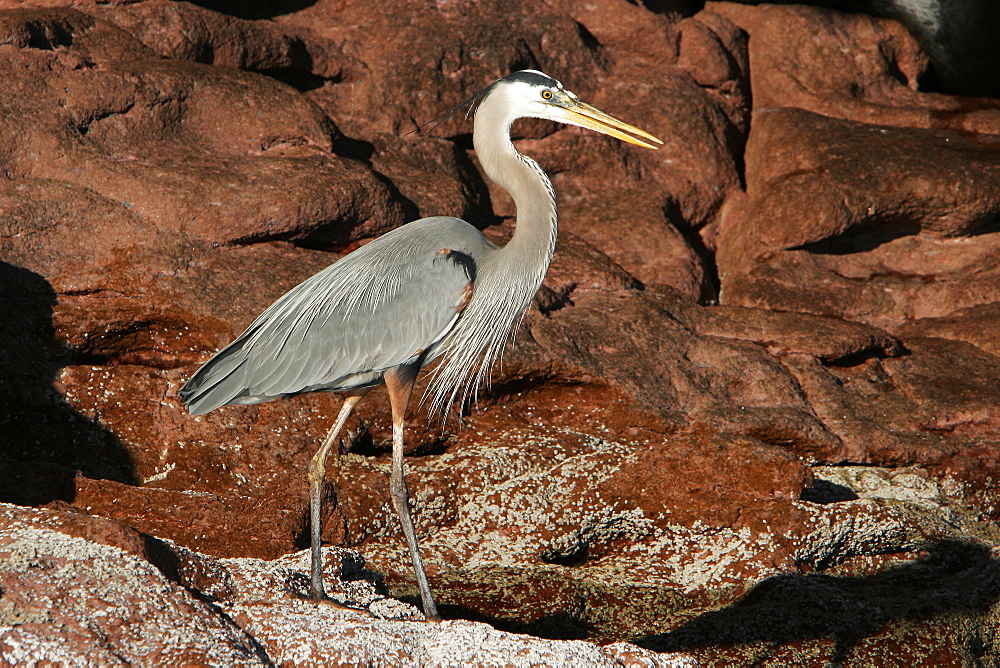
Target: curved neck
[[534, 238], [509, 277]]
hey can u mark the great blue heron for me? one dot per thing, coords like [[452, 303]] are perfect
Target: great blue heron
[[434, 288]]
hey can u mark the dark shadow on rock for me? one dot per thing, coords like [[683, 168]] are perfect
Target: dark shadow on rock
[[44, 442], [561, 626], [300, 74], [712, 285], [255, 9], [678, 7], [824, 491], [862, 240], [956, 578]]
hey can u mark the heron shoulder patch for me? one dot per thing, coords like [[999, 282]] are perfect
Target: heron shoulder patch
[[463, 260]]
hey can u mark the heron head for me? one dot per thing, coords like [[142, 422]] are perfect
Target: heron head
[[530, 93]]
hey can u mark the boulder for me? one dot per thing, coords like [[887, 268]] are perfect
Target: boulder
[[750, 415], [79, 589]]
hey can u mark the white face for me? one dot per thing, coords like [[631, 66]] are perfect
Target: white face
[[533, 94], [539, 101]]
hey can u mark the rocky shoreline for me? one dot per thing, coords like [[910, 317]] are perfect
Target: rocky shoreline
[[751, 417]]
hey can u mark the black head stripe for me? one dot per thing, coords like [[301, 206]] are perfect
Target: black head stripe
[[532, 78]]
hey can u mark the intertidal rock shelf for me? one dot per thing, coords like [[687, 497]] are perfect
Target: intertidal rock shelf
[[753, 414]]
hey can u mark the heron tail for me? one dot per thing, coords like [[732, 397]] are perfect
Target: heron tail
[[218, 382]]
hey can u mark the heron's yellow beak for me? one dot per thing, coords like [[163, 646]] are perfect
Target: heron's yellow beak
[[595, 119]]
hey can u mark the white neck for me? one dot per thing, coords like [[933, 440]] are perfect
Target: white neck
[[534, 238], [508, 279]]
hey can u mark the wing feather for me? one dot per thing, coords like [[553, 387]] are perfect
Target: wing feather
[[376, 308]]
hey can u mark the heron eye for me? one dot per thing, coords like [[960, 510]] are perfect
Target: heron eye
[[546, 95]]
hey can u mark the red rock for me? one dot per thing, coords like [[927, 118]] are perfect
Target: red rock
[[975, 325], [184, 31], [434, 176], [146, 133], [788, 619], [576, 267], [918, 417], [700, 114], [424, 70], [79, 599], [70, 600], [849, 66], [265, 523], [831, 340], [956, 382], [672, 371], [861, 255], [642, 461], [591, 534]]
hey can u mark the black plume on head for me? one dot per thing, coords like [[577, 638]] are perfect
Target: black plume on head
[[533, 78]]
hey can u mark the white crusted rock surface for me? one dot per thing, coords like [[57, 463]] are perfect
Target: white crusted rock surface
[[76, 590]]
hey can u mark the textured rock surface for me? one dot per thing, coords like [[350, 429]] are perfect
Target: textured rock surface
[[80, 590], [850, 66], [72, 600], [957, 37], [752, 416], [902, 252]]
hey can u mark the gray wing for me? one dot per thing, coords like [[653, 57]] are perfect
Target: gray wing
[[383, 305]]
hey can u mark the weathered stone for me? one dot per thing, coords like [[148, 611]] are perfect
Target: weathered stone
[[185, 31], [848, 65], [72, 598], [646, 462], [67, 599], [975, 325], [813, 236]]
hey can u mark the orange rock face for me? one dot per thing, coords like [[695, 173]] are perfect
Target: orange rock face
[[752, 415]]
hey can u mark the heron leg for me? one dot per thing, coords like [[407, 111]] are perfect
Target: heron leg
[[399, 381], [317, 474]]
